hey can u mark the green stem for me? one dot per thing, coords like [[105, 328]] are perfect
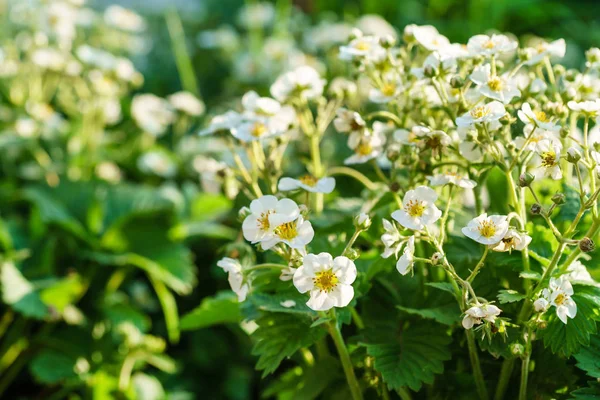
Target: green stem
[[265, 266], [369, 184], [315, 153], [504, 379], [182, 57], [404, 394], [525, 370], [479, 265], [477, 374], [338, 340]]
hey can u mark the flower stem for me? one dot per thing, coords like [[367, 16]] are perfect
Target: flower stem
[[369, 184], [338, 340], [505, 373], [315, 153], [477, 374], [479, 265], [525, 368]]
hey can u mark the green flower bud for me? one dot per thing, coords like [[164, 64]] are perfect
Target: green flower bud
[[362, 221], [586, 245], [526, 179], [352, 253], [536, 209], [559, 199]]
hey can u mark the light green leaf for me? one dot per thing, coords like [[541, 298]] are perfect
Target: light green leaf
[[169, 307], [19, 293], [509, 296], [207, 206], [223, 308], [64, 292]]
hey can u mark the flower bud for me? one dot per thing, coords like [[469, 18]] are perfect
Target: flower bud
[[593, 55], [559, 199], [352, 253], [394, 187], [526, 179], [542, 325], [436, 258], [303, 210], [456, 82], [573, 155], [429, 71], [387, 42], [564, 132], [243, 213], [393, 152], [517, 349], [523, 54], [536, 209], [541, 305], [362, 221], [586, 245]]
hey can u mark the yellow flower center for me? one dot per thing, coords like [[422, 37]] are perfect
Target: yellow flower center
[[364, 149], [415, 208], [541, 47], [263, 221], [509, 242], [541, 116], [548, 158], [560, 299], [388, 89], [287, 231], [308, 180], [496, 84], [363, 46], [480, 112], [326, 280], [489, 44], [487, 229], [258, 129]]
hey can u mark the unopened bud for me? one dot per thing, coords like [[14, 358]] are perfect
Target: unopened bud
[[564, 132], [526, 179], [456, 82], [429, 71], [436, 258], [243, 213], [523, 54], [559, 199], [586, 245], [517, 349], [573, 155], [394, 187], [387, 42], [542, 325], [593, 55], [303, 210], [362, 221], [393, 152], [352, 253], [536, 209]]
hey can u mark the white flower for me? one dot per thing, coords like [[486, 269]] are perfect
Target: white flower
[[236, 277], [541, 305], [363, 48], [559, 294], [287, 274], [500, 88], [187, 103], [512, 240], [329, 280], [261, 128], [442, 64], [411, 137], [418, 209], [391, 239], [348, 121], [484, 45], [486, 229], [549, 153], [157, 162], [489, 112], [308, 183], [256, 15], [428, 37], [452, 178], [296, 234], [537, 118], [124, 19], [152, 113], [543, 49], [48, 58], [588, 107], [406, 261], [535, 138], [304, 82], [262, 106], [266, 213], [389, 90], [223, 122], [579, 273], [367, 145], [478, 314]]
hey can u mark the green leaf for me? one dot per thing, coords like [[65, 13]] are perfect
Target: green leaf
[[279, 336], [445, 286], [118, 313], [21, 294], [406, 357], [275, 302], [169, 307], [63, 292], [592, 392], [509, 296], [51, 366], [208, 206], [567, 339], [587, 358], [447, 314], [223, 308], [210, 230]]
